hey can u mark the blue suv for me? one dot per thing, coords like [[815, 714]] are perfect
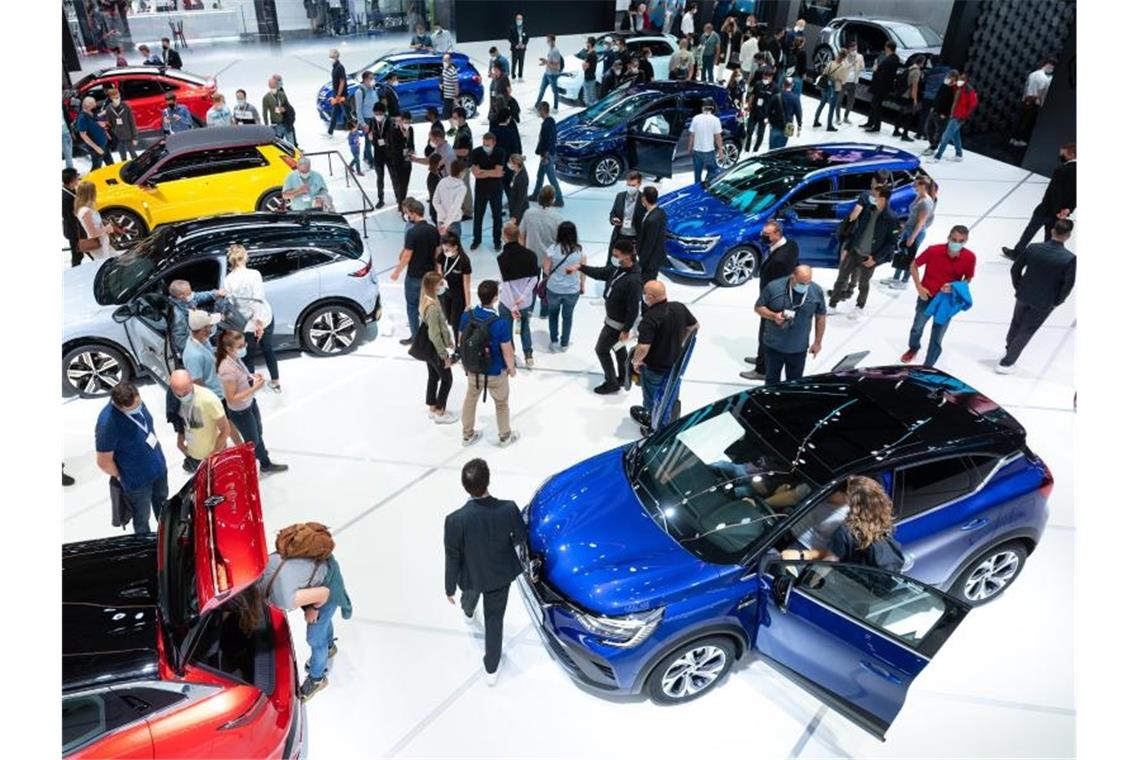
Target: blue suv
[[417, 85], [714, 231], [643, 127], [654, 567]]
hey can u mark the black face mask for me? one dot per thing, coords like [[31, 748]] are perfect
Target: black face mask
[[1062, 157], [766, 239]]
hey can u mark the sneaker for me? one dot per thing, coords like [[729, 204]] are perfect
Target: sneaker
[[831, 129], [932, 159], [1004, 369], [908, 357], [751, 359], [555, 347], [832, 310], [511, 438], [406, 342], [272, 467], [905, 138], [1009, 253], [928, 152], [752, 375], [640, 415], [475, 246], [607, 388], [530, 362], [817, 125], [855, 314], [468, 440], [491, 678], [444, 418], [68, 480], [311, 687], [887, 281], [898, 285], [274, 386], [473, 618], [956, 158]]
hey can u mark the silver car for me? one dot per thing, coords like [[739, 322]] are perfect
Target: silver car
[[871, 36], [318, 279], [660, 46]]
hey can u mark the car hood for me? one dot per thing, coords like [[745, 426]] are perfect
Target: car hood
[[692, 212], [600, 549], [577, 130], [79, 302]]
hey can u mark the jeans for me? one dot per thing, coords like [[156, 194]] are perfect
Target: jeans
[[266, 347], [652, 385], [438, 385], [355, 163], [798, 86], [494, 608], [936, 333], [935, 124], [412, 302], [494, 196], [903, 275], [338, 112], [368, 154], [829, 98], [546, 170], [1039, 219], [154, 495], [98, 159], [551, 81], [1026, 321], [561, 304], [590, 92], [607, 339], [952, 134], [319, 636], [524, 328], [848, 99], [755, 126], [248, 423], [775, 362], [704, 162], [777, 138], [707, 69]]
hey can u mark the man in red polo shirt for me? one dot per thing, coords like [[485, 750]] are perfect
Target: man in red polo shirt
[[942, 264]]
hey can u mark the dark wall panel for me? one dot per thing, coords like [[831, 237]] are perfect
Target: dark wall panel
[[1057, 121], [491, 19]]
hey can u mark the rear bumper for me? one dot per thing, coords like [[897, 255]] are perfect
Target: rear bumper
[[377, 310]]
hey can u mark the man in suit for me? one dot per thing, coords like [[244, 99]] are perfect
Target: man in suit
[[651, 238], [518, 38], [1043, 276], [170, 56], [782, 259], [628, 212], [1059, 201], [882, 81], [479, 541]]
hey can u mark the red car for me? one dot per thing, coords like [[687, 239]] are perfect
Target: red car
[[154, 662], [144, 88]]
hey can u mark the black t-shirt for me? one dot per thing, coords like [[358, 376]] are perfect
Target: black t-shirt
[[484, 160], [662, 327], [884, 553], [453, 268], [517, 263], [423, 241], [339, 77], [591, 65]]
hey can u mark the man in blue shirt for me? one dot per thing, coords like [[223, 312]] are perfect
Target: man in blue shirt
[[198, 355], [305, 189], [93, 134], [176, 117], [501, 367], [127, 449], [793, 304]]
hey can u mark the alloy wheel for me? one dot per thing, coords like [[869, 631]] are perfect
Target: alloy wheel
[[731, 154], [129, 225], [607, 171], [822, 57], [468, 104], [94, 372], [991, 576], [693, 671], [739, 266], [274, 204], [332, 332]]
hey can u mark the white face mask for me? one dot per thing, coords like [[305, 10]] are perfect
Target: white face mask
[[449, 252], [304, 175], [616, 262], [241, 101]]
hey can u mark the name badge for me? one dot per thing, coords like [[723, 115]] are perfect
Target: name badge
[[152, 440]]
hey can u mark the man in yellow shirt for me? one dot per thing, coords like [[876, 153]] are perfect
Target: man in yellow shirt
[[205, 427]]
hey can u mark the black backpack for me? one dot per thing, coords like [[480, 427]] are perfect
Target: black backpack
[[475, 347]]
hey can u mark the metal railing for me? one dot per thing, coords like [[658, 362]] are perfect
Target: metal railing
[[350, 179]]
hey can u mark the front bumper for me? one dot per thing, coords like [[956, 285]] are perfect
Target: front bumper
[[681, 261], [573, 171]]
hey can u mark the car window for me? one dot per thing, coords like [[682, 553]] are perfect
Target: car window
[[310, 257], [202, 274], [656, 124], [871, 40], [657, 47], [272, 264], [928, 485], [814, 200], [206, 162], [168, 86], [919, 36], [135, 89], [754, 185], [406, 72], [692, 104], [88, 717], [430, 70]]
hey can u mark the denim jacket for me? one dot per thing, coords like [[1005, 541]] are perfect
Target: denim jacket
[[180, 316], [338, 594]]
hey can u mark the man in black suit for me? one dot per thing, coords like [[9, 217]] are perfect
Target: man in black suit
[[1059, 201], [628, 212], [782, 259], [651, 238], [1043, 276], [518, 38], [170, 57], [882, 82], [479, 541]]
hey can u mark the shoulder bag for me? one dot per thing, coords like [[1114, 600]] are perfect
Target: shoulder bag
[[540, 288]]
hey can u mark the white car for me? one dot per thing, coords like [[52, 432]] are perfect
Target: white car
[[661, 48]]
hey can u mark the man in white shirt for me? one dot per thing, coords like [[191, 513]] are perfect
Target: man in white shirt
[[748, 49], [448, 199], [705, 141], [1036, 88], [688, 25], [441, 38]]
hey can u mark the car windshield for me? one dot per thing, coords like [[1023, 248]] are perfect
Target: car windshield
[[917, 36], [122, 275], [713, 483], [378, 67], [135, 169], [616, 108], [754, 186]]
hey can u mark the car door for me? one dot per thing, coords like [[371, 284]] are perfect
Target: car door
[[652, 141], [146, 97], [291, 283], [409, 88], [809, 218], [237, 178], [144, 320], [688, 107], [855, 636], [428, 84], [179, 188]]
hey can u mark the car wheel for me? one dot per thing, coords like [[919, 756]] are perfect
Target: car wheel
[[92, 370], [273, 202], [822, 56], [134, 229], [987, 577], [606, 171], [737, 267], [468, 104], [691, 671], [731, 155], [332, 330]]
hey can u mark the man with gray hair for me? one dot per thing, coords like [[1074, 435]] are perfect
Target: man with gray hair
[[792, 304], [305, 189], [339, 91], [182, 300]]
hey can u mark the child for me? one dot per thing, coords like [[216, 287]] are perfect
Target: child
[[355, 135]]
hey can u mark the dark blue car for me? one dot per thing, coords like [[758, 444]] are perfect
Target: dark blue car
[[714, 230], [418, 74], [643, 127], [654, 567]]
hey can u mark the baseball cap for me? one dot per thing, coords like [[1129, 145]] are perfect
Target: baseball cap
[[199, 319]]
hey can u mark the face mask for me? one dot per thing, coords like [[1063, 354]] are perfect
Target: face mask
[[1048, 71], [241, 101], [1062, 157], [955, 248], [615, 261], [305, 175], [800, 287], [450, 252], [518, 21], [766, 239], [241, 351], [488, 147], [960, 83], [766, 82], [116, 101], [185, 399], [631, 188], [136, 412], [646, 301], [948, 82]]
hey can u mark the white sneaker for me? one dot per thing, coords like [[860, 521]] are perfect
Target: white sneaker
[[444, 418], [474, 438], [530, 362], [472, 619], [832, 311], [933, 159], [491, 678], [898, 285], [956, 158], [1001, 369], [505, 442], [887, 281], [855, 314]]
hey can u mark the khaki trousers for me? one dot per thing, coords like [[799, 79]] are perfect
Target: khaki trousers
[[499, 389]]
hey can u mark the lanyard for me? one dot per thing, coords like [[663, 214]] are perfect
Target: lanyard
[[141, 426]]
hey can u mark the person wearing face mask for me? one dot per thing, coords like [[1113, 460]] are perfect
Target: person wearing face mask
[[681, 62], [219, 115], [1059, 201], [627, 212], [441, 38], [454, 266], [519, 273], [760, 90], [488, 162], [664, 329], [1036, 88], [204, 429], [244, 112], [421, 243], [563, 287], [518, 38], [89, 127], [612, 78], [198, 354], [871, 242], [182, 299], [401, 147], [273, 107], [920, 216], [651, 238], [127, 449], [121, 123], [175, 116], [943, 265], [239, 386], [438, 360], [306, 189], [488, 357], [965, 101], [782, 258], [882, 82], [622, 295], [339, 91], [245, 286], [792, 304], [940, 111], [855, 66], [552, 64]]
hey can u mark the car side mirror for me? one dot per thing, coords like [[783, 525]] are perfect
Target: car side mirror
[[789, 215]]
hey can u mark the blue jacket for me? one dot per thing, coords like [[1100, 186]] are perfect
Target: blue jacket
[[945, 305]]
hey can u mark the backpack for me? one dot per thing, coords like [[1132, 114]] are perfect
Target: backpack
[[475, 346], [289, 115], [310, 540]]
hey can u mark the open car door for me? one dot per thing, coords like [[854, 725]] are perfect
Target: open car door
[[855, 636], [652, 145], [148, 332]]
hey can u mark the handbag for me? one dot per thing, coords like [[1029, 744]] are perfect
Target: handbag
[[540, 288], [422, 348], [232, 316]]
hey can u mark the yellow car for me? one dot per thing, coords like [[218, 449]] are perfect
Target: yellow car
[[200, 172]]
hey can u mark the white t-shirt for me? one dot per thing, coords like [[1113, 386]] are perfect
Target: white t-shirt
[[687, 23], [1037, 85], [245, 285], [93, 220], [705, 128]]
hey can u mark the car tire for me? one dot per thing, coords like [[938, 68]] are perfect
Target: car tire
[[332, 330], [91, 370], [822, 56], [988, 576], [272, 202], [737, 267], [731, 155], [134, 228], [468, 103], [606, 170], [672, 682]]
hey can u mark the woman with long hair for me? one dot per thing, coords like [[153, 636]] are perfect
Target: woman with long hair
[[439, 332], [239, 387], [866, 535], [563, 288], [834, 74], [454, 266], [735, 88], [245, 286], [729, 49], [92, 221]]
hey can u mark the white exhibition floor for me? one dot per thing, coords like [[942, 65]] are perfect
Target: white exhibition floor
[[365, 460]]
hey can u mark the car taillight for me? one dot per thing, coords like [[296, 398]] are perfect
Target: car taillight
[[363, 271], [478, 79], [289, 161], [1047, 484]]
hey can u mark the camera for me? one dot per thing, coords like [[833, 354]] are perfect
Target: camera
[[789, 316]]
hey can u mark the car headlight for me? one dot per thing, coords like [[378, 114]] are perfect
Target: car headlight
[[576, 144], [621, 632], [697, 244]]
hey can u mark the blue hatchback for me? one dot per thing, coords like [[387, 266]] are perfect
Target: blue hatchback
[[714, 232], [654, 567], [417, 85], [643, 127]]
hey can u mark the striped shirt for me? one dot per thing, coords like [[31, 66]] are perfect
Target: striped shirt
[[450, 82]]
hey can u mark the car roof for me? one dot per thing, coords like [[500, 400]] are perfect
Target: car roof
[[825, 157], [219, 137], [264, 221], [836, 423], [119, 71], [403, 56], [666, 87], [879, 20]]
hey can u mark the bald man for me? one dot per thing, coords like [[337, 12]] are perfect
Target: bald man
[[665, 327], [203, 420], [791, 304]]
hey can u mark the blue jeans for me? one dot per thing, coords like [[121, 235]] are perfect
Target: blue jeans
[[338, 112], [798, 86], [829, 98], [952, 133], [707, 66], [561, 304], [652, 385], [589, 91], [524, 328], [777, 362], [412, 302], [68, 149], [551, 81], [151, 495], [776, 138], [547, 171], [936, 333], [355, 164], [319, 636], [368, 154], [704, 162]]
